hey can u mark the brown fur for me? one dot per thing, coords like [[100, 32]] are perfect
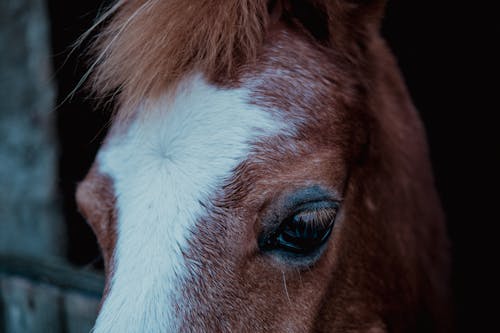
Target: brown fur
[[149, 45], [385, 268], [96, 202]]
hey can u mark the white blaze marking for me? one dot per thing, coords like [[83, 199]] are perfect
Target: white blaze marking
[[162, 167]]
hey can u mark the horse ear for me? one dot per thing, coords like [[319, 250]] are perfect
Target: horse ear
[[331, 22]]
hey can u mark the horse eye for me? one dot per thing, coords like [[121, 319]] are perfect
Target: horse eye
[[304, 232]]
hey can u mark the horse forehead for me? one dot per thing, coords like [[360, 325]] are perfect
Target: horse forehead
[[201, 123], [164, 167]]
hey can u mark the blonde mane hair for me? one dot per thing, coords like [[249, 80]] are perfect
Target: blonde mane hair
[[147, 46]]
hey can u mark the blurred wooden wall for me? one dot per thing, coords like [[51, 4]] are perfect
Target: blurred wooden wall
[[30, 216], [39, 290]]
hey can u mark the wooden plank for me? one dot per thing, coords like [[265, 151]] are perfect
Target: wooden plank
[[28, 307], [44, 295], [80, 312], [53, 272]]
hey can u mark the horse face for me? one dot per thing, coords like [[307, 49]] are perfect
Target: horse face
[[295, 197]]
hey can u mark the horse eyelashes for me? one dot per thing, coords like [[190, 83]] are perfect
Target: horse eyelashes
[[304, 232], [320, 218]]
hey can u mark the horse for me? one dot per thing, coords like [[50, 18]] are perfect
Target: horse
[[265, 171]]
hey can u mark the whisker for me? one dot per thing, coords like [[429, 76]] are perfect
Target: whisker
[[286, 289], [300, 278], [92, 262]]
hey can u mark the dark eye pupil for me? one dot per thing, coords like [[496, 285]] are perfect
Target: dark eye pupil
[[305, 232]]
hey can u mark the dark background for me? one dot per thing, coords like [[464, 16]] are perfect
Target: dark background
[[443, 52]]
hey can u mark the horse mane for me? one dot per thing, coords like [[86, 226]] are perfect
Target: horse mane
[[147, 46]]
